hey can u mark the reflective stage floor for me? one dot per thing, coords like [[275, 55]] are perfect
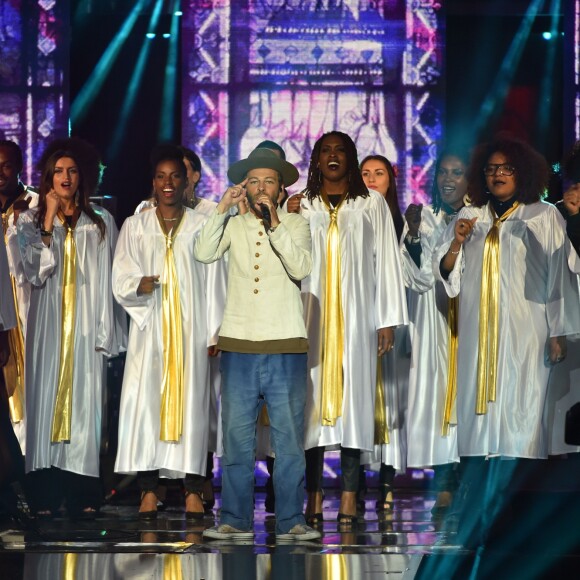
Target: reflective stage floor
[[404, 546]]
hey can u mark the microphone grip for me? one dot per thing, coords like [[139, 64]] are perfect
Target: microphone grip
[[265, 212]]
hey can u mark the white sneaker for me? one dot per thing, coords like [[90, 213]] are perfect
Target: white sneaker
[[227, 532], [299, 533]]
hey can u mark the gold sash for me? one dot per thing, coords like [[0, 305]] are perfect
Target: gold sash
[[452, 342], [172, 385], [489, 314], [61, 420], [70, 564], [14, 368], [332, 379], [381, 427], [172, 567]]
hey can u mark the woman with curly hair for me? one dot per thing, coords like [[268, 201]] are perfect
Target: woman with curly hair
[[65, 245], [354, 299], [505, 258]]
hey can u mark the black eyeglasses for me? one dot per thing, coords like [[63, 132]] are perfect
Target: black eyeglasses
[[501, 168]]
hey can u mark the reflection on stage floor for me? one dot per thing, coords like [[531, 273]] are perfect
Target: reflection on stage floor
[[404, 544]]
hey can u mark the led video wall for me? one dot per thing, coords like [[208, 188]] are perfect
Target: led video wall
[[34, 54], [290, 70]]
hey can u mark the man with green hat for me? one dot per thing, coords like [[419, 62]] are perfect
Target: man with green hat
[[263, 354]]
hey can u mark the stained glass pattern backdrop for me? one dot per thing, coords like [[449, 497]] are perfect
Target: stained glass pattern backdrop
[[289, 70], [34, 55]]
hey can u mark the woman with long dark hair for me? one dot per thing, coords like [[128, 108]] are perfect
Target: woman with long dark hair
[[393, 368], [65, 245], [354, 299]]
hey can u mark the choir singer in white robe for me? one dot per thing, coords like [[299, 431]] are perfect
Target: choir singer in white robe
[[175, 316], [66, 255], [505, 257], [353, 300]]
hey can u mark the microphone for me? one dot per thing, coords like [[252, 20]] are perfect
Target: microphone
[[265, 212]]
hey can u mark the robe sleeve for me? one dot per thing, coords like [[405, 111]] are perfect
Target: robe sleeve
[[7, 311], [292, 243], [421, 279], [38, 260], [562, 300], [14, 259], [119, 315], [390, 298], [127, 274], [105, 334], [452, 283], [214, 239]]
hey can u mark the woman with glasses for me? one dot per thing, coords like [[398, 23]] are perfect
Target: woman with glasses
[[505, 258]]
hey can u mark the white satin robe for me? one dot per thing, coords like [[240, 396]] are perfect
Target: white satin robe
[[373, 297], [538, 300], [141, 252], [94, 339], [428, 306], [7, 312], [23, 290]]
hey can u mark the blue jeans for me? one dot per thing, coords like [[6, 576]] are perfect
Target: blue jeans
[[281, 380]]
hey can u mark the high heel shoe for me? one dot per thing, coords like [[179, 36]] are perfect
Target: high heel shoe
[[194, 515], [208, 497], [149, 514], [384, 504]]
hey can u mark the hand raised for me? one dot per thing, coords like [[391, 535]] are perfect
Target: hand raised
[[571, 199], [463, 229], [293, 203], [413, 217]]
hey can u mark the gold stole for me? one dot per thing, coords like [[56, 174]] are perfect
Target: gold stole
[[332, 379], [489, 314], [449, 411], [61, 420], [14, 368], [452, 342], [70, 563], [172, 386], [172, 567], [381, 428]]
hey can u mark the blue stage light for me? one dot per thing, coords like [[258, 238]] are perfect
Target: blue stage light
[[150, 35], [547, 35]]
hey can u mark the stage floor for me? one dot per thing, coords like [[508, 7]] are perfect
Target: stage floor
[[405, 545]]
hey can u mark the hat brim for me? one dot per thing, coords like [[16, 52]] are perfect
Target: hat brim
[[257, 160]]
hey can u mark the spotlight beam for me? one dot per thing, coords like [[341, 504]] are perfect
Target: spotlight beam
[[546, 102], [86, 96], [134, 84], [170, 85], [508, 67]]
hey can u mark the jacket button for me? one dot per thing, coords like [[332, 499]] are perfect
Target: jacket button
[[257, 255], [258, 243], [256, 279], [255, 291], [256, 267], [260, 233]]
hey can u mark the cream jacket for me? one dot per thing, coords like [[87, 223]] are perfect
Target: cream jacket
[[263, 297]]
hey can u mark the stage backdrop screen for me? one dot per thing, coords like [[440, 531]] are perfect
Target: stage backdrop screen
[[34, 56], [290, 70]]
